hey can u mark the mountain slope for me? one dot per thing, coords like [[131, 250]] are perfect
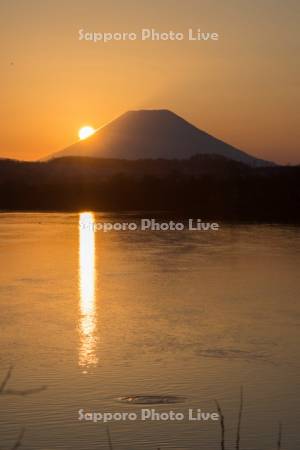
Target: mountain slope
[[154, 134]]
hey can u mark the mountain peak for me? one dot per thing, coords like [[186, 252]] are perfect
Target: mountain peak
[[149, 111]]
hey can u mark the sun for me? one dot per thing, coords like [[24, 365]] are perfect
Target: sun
[[86, 132]]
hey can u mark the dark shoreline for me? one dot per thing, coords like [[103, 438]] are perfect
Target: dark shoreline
[[158, 215], [212, 188]]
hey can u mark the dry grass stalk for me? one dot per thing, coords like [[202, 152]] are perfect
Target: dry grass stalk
[[222, 423], [279, 436], [238, 431], [110, 446], [18, 442]]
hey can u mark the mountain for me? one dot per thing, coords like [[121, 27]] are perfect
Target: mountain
[[154, 134]]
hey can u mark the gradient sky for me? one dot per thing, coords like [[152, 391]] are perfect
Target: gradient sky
[[243, 88]]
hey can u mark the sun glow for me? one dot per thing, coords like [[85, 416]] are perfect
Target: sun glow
[[87, 275], [86, 132]]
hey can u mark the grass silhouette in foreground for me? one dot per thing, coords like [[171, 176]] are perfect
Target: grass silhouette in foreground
[[239, 423], [18, 442], [4, 391], [222, 426]]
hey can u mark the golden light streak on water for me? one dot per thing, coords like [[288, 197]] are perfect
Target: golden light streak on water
[[87, 278]]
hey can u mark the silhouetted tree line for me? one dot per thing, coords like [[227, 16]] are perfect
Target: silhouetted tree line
[[206, 187]]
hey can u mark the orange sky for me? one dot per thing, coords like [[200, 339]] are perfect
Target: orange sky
[[243, 88]]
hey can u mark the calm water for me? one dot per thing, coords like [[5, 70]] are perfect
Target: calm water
[[98, 316]]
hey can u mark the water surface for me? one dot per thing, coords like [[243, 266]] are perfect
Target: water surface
[[100, 316]]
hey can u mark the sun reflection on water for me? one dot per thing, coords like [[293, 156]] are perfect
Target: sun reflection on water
[[87, 276]]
